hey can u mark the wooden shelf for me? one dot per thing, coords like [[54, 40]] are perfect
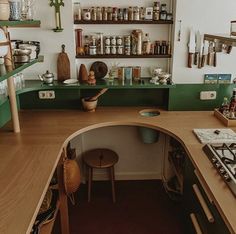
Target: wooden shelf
[[24, 23], [104, 56], [21, 68], [123, 22]]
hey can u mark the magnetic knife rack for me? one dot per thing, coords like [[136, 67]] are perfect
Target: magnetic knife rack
[[224, 39]]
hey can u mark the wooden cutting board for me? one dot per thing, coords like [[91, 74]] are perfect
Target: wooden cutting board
[[63, 66]]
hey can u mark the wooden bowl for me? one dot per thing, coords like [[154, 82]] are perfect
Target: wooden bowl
[[88, 105]]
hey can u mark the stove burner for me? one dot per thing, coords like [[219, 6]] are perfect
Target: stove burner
[[223, 157]]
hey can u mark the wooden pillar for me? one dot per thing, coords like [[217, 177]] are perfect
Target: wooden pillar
[[11, 87], [64, 217]]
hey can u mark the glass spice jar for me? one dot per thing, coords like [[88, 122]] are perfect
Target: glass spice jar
[[109, 13], [125, 14], [104, 13], [141, 13], [120, 14], [99, 13], [77, 11], [136, 13], [115, 14], [233, 28], [130, 14], [93, 14]]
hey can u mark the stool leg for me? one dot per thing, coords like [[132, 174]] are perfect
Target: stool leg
[[113, 183], [90, 171]]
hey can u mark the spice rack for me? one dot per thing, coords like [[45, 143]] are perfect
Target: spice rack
[[164, 36]]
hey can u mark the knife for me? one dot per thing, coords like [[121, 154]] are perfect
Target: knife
[[209, 56], [205, 52], [198, 48], [200, 53], [191, 46]]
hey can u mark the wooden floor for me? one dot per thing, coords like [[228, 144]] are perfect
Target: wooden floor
[[142, 207]]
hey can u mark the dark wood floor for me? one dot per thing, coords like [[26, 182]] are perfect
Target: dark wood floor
[[142, 207]]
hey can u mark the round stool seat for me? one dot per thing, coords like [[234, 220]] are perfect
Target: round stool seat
[[100, 158]]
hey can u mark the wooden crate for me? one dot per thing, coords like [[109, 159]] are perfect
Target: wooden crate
[[227, 122]]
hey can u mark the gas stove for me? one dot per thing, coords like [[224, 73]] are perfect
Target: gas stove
[[223, 157]]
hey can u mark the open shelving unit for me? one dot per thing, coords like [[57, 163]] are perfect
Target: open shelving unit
[[11, 66], [123, 22], [105, 56]]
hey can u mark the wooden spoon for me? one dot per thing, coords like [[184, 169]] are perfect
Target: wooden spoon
[[94, 98]]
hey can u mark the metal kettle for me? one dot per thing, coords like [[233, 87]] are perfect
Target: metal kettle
[[47, 78]]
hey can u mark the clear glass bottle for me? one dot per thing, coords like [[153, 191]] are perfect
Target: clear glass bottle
[[146, 44], [77, 11], [224, 109]]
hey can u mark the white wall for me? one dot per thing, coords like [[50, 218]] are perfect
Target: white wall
[[137, 160], [211, 16]]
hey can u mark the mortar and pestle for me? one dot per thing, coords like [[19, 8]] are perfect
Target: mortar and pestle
[[90, 103]]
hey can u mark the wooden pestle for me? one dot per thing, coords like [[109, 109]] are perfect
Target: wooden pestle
[[94, 98]]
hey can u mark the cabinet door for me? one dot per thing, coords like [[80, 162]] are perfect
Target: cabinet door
[[206, 213]]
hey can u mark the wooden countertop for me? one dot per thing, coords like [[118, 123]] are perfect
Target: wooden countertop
[[29, 158]]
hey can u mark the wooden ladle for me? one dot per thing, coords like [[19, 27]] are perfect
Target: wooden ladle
[[94, 98]]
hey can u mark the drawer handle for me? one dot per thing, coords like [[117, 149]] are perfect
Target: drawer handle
[[203, 204], [195, 223], [203, 186]]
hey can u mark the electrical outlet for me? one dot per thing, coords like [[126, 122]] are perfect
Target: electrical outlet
[[42, 95], [49, 94], [208, 95]]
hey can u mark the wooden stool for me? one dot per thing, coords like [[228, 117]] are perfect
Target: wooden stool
[[100, 158]]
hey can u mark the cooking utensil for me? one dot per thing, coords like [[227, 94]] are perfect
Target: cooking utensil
[[22, 51], [210, 54], [47, 78], [63, 66], [100, 69], [205, 52], [201, 52], [97, 95], [191, 45], [198, 48], [21, 58]]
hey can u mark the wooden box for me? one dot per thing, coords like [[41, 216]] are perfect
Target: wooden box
[[227, 122]]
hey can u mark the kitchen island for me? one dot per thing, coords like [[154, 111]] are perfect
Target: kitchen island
[[29, 158]]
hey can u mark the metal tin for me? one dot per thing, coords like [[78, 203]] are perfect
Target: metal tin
[[127, 50], [107, 50], [119, 40], [92, 50], [121, 73], [136, 73], [113, 49], [107, 41], [120, 50], [113, 40]]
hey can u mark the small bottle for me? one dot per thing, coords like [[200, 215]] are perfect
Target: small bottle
[[93, 14], [99, 13], [141, 13], [156, 11], [120, 14], [104, 13], [136, 13], [146, 44], [109, 13], [77, 11], [115, 14], [125, 14], [232, 105], [224, 109], [130, 14]]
